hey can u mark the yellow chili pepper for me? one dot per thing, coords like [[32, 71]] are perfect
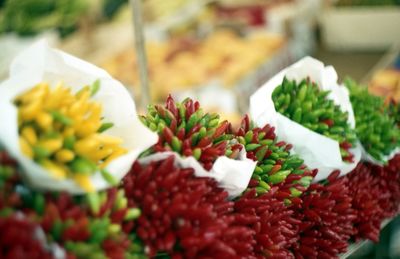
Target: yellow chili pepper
[[87, 128], [57, 95], [52, 145], [84, 182], [25, 148], [64, 155], [37, 93], [108, 140], [44, 120], [86, 145], [56, 170], [30, 111], [29, 134], [69, 131], [101, 154]]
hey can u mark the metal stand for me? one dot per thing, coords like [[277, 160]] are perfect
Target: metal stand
[[141, 52]]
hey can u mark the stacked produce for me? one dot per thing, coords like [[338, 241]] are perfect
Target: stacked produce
[[62, 132], [196, 199], [186, 129], [183, 215], [96, 225], [326, 219], [375, 128], [275, 165], [391, 178], [367, 196], [376, 195], [17, 230], [309, 106], [273, 222], [331, 196]]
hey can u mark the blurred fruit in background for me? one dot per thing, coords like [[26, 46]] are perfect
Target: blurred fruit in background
[[185, 62], [386, 83]]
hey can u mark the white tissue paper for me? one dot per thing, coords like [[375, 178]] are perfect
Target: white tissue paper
[[232, 175], [40, 63], [317, 150]]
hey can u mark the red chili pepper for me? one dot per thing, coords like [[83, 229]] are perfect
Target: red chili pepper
[[328, 122], [168, 135], [170, 105], [221, 129], [275, 169]]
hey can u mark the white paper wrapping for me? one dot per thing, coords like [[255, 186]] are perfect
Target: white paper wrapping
[[40, 63], [317, 150], [231, 175], [11, 44]]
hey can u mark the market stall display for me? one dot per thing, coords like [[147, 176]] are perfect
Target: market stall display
[[177, 199]]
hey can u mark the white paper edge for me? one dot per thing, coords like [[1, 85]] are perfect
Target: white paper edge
[[262, 111], [233, 175], [41, 63]]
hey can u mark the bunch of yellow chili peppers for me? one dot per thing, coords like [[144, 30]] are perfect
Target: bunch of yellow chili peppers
[[62, 132]]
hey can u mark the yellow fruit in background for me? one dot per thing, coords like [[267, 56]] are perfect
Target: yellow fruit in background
[[182, 63], [386, 83]]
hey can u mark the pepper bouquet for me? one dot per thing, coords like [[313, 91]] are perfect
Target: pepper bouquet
[[375, 127], [310, 110], [63, 122], [199, 140], [309, 106]]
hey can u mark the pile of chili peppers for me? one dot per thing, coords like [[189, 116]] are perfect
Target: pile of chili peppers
[[163, 210]]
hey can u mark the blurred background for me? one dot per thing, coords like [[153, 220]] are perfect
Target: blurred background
[[219, 51]]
